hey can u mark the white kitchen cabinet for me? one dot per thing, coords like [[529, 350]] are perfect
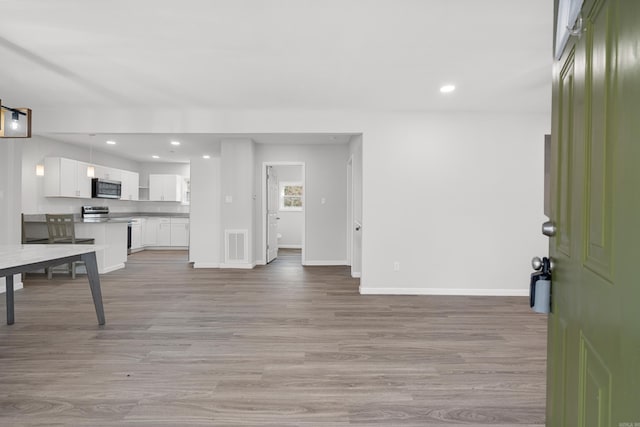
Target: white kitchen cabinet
[[112, 236], [186, 190], [110, 174], [130, 185], [83, 181], [150, 232], [66, 178], [165, 188], [136, 233], [179, 231], [164, 232]]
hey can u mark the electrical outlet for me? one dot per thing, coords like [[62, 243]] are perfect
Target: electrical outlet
[[396, 266]]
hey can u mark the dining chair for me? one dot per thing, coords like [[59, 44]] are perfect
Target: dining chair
[[61, 228]]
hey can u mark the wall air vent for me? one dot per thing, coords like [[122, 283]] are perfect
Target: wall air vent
[[236, 246]]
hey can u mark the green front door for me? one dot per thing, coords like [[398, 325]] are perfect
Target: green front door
[[594, 329]]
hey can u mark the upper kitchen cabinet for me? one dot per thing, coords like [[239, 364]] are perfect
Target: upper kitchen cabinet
[[130, 182], [66, 178], [110, 174], [165, 188]]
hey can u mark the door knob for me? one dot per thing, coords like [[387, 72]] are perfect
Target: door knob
[[536, 263], [549, 228]]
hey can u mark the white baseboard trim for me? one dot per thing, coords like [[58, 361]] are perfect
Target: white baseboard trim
[[112, 268], [16, 286], [356, 274], [165, 248], [289, 246], [444, 291], [325, 263], [243, 266], [206, 264], [261, 262]]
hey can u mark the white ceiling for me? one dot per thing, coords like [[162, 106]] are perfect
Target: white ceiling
[[383, 55], [142, 146]]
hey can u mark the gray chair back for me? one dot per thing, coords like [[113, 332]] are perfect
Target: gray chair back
[[61, 228]]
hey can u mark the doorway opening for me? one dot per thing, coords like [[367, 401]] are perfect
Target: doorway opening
[[283, 210]]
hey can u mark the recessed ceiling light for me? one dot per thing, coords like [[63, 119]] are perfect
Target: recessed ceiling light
[[447, 88], [206, 156], [175, 142], [111, 142], [155, 157]]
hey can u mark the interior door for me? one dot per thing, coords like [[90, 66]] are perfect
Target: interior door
[[273, 202], [594, 329]]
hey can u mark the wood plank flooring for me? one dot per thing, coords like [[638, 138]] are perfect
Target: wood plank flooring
[[279, 345]]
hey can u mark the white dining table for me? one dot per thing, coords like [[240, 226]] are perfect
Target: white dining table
[[18, 259]]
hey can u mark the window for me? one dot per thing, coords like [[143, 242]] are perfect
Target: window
[[291, 196]]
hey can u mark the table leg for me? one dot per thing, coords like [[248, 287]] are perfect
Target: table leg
[[94, 282], [9, 295]]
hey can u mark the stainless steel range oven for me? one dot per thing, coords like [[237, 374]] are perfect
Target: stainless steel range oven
[[95, 213]]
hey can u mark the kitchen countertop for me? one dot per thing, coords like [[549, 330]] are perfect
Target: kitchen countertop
[[142, 214], [113, 217]]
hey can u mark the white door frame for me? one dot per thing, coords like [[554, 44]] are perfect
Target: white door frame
[[273, 210], [263, 248], [350, 213]]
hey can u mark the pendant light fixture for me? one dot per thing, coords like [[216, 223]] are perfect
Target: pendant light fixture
[[91, 170], [15, 122], [39, 166]]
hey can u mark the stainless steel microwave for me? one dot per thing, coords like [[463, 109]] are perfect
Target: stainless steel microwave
[[105, 189]]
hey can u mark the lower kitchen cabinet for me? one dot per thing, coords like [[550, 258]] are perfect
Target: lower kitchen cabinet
[[136, 233], [179, 231], [165, 232], [150, 232]]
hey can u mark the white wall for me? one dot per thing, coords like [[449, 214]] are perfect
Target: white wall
[[146, 168], [291, 222], [238, 190], [326, 173], [10, 176], [456, 199], [205, 218], [34, 202], [467, 217]]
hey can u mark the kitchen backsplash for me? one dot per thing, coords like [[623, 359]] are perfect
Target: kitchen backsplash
[[68, 205]]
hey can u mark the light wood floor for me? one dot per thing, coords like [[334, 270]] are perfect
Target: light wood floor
[[280, 345]]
